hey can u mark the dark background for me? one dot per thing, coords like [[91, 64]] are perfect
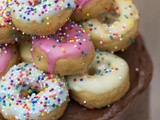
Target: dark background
[[150, 30]]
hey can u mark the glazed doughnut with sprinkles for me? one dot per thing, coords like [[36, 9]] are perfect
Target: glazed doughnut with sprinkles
[[109, 77], [41, 17], [114, 30], [7, 31], [28, 93], [68, 52]]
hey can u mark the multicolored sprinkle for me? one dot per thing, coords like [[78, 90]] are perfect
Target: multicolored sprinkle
[[5, 12]]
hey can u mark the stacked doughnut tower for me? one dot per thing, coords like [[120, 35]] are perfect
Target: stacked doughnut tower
[[50, 47]]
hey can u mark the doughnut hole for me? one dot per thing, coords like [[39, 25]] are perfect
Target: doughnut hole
[[92, 71], [108, 18], [29, 90]]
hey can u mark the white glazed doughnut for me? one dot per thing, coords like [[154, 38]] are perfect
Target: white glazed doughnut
[[7, 31], [45, 96], [115, 30], [106, 82], [41, 17]]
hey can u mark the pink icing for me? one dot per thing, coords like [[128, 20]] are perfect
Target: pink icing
[[5, 57], [81, 3], [69, 42]]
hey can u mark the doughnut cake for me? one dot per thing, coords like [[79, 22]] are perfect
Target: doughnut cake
[[70, 59]]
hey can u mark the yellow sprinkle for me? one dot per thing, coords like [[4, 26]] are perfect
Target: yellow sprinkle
[[130, 23], [29, 91], [122, 50], [71, 40], [114, 72], [63, 50]]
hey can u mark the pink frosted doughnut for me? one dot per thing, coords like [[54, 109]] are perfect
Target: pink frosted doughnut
[[69, 51], [90, 8], [8, 58]]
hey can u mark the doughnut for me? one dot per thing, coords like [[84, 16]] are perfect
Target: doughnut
[[7, 32], [27, 93], [115, 30], [8, 57], [106, 81], [25, 46], [69, 51], [41, 17], [90, 8]]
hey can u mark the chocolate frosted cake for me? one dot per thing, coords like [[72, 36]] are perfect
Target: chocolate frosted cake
[[70, 59]]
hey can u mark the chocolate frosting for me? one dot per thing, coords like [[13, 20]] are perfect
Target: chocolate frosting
[[141, 69]]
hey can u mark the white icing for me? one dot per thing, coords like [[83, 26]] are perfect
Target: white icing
[[52, 89], [22, 8], [106, 78], [5, 19]]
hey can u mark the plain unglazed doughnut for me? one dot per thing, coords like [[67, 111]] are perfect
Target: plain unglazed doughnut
[[27, 93], [7, 31], [41, 17], [90, 8], [69, 51], [107, 81], [9, 56], [25, 47], [115, 30]]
